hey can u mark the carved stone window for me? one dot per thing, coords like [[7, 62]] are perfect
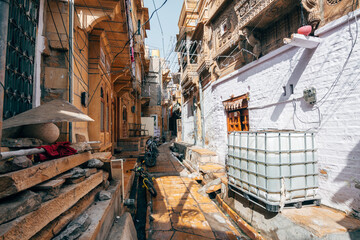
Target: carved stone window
[[224, 27], [333, 2]]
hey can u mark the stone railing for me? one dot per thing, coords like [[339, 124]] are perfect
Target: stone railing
[[189, 73], [246, 10]]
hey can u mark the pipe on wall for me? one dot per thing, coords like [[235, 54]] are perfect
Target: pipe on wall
[[4, 19], [71, 60]]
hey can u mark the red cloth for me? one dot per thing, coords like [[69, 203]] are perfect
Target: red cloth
[[57, 150]]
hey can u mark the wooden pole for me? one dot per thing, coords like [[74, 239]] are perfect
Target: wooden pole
[[24, 152]]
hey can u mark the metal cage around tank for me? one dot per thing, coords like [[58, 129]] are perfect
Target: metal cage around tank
[[273, 168]]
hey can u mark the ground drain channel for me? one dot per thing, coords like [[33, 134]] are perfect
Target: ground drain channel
[[141, 207]]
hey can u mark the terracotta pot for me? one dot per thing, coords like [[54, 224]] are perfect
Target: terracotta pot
[[47, 132], [305, 30]]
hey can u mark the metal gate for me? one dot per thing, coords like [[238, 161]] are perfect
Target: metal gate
[[20, 56]]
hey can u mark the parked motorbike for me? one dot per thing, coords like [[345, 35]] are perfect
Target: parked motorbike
[[151, 152]]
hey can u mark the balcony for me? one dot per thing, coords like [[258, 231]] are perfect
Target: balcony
[[216, 8], [249, 12], [189, 75]]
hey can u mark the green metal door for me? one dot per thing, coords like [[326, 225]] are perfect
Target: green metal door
[[20, 56]]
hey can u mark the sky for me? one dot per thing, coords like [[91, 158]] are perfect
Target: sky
[[168, 16]]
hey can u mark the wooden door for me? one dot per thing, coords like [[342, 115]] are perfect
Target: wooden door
[[234, 121]]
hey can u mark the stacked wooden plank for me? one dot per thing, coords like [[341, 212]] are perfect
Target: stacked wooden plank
[[37, 202]]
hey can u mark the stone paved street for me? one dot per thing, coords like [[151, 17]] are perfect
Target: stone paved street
[[179, 211]]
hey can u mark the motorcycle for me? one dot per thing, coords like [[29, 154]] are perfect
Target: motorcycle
[[151, 152]]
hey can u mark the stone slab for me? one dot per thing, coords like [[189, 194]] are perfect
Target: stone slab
[[123, 229], [50, 184], [322, 220], [103, 156], [212, 168]]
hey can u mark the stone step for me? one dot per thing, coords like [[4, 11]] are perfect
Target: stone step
[[11, 183], [28, 225], [123, 229], [212, 168], [104, 212]]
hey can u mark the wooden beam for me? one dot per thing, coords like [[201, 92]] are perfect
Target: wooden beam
[[13, 182], [55, 227], [27, 226]]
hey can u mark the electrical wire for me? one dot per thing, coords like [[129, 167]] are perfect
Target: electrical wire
[[58, 34], [345, 63], [132, 37], [161, 30], [67, 36]]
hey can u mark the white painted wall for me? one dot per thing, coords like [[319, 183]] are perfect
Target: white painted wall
[[188, 134], [149, 124], [335, 119]]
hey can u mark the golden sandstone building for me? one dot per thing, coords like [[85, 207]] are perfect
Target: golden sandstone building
[[242, 69], [98, 65]]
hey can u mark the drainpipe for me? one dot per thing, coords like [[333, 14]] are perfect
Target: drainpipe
[[38, 51], [202, 116], [71, 72], [195, 120], [4, 19]]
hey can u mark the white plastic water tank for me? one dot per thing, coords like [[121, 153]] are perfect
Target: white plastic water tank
[[264, 164]]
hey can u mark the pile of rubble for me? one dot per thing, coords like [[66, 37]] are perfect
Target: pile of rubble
[[203, 165], [51, 199]]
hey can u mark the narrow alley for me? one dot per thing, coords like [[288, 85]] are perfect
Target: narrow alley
[[183, 119], [179, 211]]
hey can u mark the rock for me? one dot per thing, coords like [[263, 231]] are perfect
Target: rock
[[75, 228], [204, 189], [18, 205], [49, 189], [184, 173], [95, 163], [47, 132], [51, 184], [173, 148], [75, 180], [22, 162], [80, 138], [81, 147], [49, 194], [90, 171], [104, 195], [106, 184], [15, 164], [77, 172]]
